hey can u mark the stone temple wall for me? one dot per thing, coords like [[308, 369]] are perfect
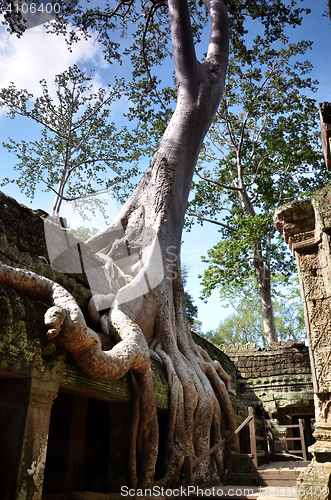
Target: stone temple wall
[[48, 408], [278, 378], [306, 226], [45, 400]]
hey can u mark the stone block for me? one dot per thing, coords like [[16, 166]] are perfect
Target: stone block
[[314, 482]]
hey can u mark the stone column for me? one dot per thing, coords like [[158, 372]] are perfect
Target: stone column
[[306, 226], [25, 406]]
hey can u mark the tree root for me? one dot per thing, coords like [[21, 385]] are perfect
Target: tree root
[[198, 386], [65, 321]]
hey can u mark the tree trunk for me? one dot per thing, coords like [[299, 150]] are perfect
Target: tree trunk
[[58, 199], [147, 316], [262, 272]]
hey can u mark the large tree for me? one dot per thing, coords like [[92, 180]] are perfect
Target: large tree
[[147, 316], [262, 150], [154, 323], [79, 149]]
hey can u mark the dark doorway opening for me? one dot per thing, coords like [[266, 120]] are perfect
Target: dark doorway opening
[[97, 449], [78, 446]]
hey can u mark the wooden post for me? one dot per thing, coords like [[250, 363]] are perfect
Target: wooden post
[[228, 457], [265, 440], [188, 471], [302, 436], [252, 439], [272, 442]]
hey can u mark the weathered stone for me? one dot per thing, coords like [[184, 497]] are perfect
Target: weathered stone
[[314, 481], [256, 375], [313, 259]]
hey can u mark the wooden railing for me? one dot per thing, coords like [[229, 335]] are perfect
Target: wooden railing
[[254, 454], [265, 437], [190, 464], [302, 451]]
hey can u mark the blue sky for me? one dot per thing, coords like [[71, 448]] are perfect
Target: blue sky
[[37, 55]]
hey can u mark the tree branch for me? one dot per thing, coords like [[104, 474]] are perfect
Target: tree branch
[[44, 124], [112, 13], [233, 188], [256, 138], [210, 204], [64, 198], [229, 127], [149, 17], [212, 221], [94, 160], [186, 64], [229, 144], [218, 47], [253, 178], [87, 118]]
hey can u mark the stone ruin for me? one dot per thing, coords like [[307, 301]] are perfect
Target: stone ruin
[[306, 226], [62, 431]]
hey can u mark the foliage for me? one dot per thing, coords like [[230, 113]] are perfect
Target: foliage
[[84, 233], [78, 22], [263, 150], [152, 96], [147, 25], [290, 321], [78, 147], [245, 325], [191, 308]]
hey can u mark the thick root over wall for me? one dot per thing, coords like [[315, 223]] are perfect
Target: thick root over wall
[[153, 322], [198, 385]]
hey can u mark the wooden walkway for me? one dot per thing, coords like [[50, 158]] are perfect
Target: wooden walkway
[[276, 480], [280, 473]]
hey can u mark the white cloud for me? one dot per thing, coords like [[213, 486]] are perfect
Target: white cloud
[[37, 55]]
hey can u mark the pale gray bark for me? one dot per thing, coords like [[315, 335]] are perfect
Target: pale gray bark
[[159, 201], [262, 273], [155, 322]]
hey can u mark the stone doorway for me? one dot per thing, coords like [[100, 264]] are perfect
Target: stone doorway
[[87, 445]]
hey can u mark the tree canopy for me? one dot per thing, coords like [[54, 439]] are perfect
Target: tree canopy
[[245, 325], [80, 149], [262, 150], [138, 35]]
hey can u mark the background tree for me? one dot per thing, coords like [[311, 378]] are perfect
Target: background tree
[[246, 323], [263, 149], [191, 309], [154, 323], [83, 233], [79, 149]]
